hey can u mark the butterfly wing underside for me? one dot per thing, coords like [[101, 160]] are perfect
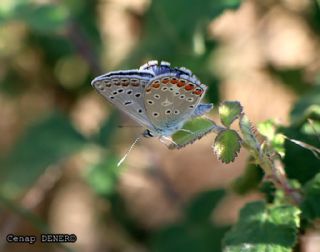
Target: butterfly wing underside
[[126, 91], [171, 100]]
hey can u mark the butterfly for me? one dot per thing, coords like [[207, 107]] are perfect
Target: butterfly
[[159, 97]]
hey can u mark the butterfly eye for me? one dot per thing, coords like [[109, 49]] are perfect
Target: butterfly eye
[[168, 112], [182, 96], [164, 88], [190, 99], [129, 91], [150, 102], [120, 90], [155, 114], [176, 112], [156, 96]]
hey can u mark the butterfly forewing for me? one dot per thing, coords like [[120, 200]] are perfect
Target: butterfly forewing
[[126, 91], [170, 100]]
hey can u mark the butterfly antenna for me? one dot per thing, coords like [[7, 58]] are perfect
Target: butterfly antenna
[[128, 151]]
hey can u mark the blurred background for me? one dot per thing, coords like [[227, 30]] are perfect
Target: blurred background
[[60, 140]]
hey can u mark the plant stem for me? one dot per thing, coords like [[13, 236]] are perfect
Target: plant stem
[[268, 160]]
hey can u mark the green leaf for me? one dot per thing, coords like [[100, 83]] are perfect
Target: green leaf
[[263, 228], [310, 205], [248, 133], [195, 232], [43, 18], [227, 145], [200, 208], [268, 129], [294, 78], [305, 107], [249, 180], [45, 143], [300, 163], [103, 175], [229, 111], [192, 130]]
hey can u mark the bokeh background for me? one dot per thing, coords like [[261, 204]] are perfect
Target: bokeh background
[[60, 141]]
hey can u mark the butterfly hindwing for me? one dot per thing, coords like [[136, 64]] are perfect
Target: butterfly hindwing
[[170, 100]]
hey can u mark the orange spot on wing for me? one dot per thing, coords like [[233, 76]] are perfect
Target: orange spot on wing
[[189, 87], [198, 91], [155, 84], [181, 83], [165, 80], [174, 80]]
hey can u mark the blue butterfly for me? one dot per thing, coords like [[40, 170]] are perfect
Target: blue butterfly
[[159, 97]]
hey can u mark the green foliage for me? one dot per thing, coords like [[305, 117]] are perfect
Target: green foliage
[[290, 77], [195, 232], [43, 18], [248, 133], [65, 40], [306, 107], [227, 145], [45, 143], [229, 111], [249, 180], [264, 228], [301, 163], [192, 130], [105, 134], [103, 176], [310, 205], [268, 129]]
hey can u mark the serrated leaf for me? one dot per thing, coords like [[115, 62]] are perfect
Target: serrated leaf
[[45, 143], [310, 206], [263, 228], [227, 145], [268, 129], [229, 111], [248, 133], [192, 130]]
